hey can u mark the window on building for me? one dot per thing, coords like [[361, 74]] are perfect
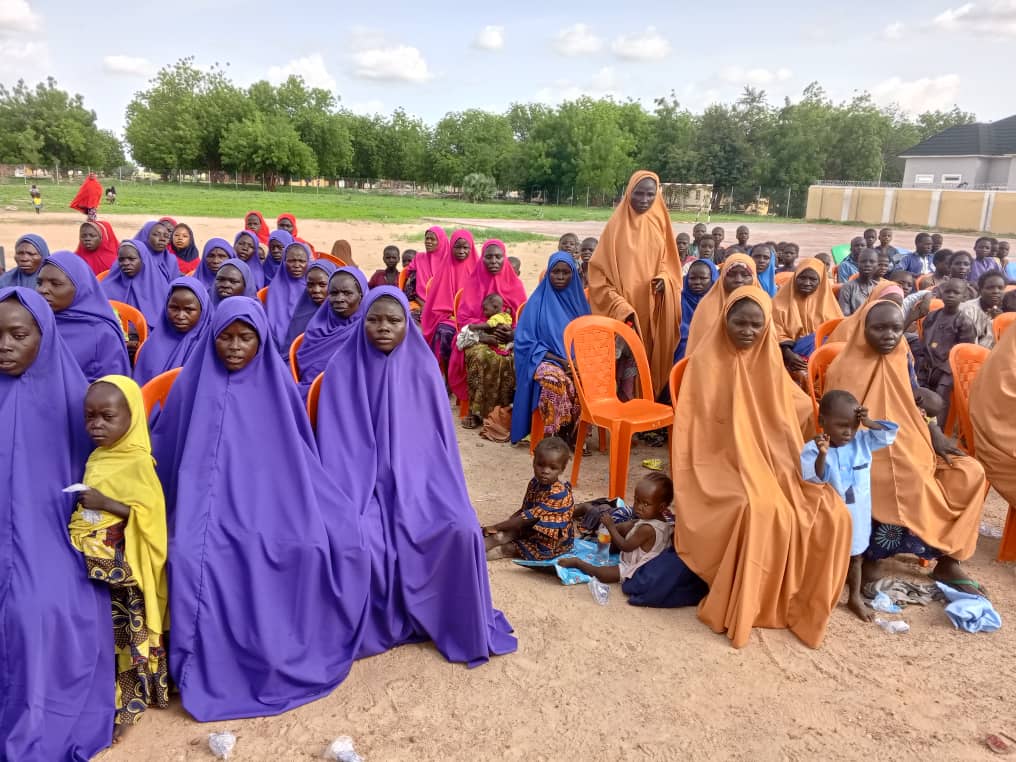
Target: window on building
[[924, 179], [952, 179]]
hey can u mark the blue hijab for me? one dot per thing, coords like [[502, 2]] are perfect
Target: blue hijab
[[166, 347], [201, 272], [305, 308], [255, 264], [767, 278], [541, 330], [166, 261], [689, 302], [146, 291], [271, 267], [14, 276], [248, 281]]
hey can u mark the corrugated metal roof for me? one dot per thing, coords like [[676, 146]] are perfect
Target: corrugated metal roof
[[980, 139]]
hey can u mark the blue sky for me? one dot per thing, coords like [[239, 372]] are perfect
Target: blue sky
[[435, 57]]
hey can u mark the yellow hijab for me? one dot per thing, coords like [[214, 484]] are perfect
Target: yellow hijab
[[125, 472]]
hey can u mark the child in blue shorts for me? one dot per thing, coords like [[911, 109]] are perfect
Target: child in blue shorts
[[841, 456]]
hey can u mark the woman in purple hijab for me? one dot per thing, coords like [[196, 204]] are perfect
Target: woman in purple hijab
[[288, 287], [136, 280], [29, 252], [245, 244], [268, 574], [86, 321], [56, 645], [314, 295], [178, 330], [233, 279], [334, 323], [216, 253], [278, 242], [385, 432], [156, 236]]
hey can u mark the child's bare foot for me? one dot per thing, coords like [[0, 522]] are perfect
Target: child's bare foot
[[120, 732], [856, 604]]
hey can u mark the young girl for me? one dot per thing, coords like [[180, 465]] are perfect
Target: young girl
[[120, 528], [645, 540], [542, 528], [390, 275], [700, 277]]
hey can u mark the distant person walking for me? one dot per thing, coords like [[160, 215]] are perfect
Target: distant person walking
[[88, 197], [36, 195]]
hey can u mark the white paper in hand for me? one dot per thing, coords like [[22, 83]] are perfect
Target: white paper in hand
[[77, 487]]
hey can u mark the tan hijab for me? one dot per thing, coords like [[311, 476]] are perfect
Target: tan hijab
[[773, 548], [711, 308], [910, 485], [634, 250], [993, 415], [842, 331], [796, 315]]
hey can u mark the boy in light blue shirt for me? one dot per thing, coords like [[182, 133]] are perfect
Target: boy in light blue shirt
[[841, 456]]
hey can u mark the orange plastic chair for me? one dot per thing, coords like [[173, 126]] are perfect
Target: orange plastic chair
[[455, 302], [1000, 323], [590, 343], [1007, 547], [818, 364], [129, 316], [854, 276], [102, 276], [676, 376], [292, 357], [312, 399], [783, 279], [333, 259], [518, 312], [965, 360], [263, 295], [403, 275], [157, 390], [825, 330], [835, 272]]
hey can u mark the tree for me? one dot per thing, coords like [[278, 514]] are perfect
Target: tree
[[268, 146], [478, 187], [668, 149]]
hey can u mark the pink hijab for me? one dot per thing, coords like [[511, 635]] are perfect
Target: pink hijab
[[426, 265], [440, 305], [507, 284]]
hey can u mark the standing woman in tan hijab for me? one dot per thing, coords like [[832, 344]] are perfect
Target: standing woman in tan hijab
[[635, 275]]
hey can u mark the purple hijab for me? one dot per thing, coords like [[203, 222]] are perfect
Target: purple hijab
[[56, 636], [271, 267], [327, 332], [284, 295], [166, 347], [89, 327], [248, 281], [166, 261], [146, 291], [255, 264], [201, 272], [268, 573], [305, 308], [14, 276], [385, 431]]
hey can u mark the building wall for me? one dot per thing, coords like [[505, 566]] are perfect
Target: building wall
[[974, 170], [1003, 214], [998, 172], [960, 210]]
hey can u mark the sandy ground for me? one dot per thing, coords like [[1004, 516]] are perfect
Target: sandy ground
[[619, 682]]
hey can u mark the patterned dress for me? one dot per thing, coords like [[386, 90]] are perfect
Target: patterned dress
[[559, 403], [552, 507]]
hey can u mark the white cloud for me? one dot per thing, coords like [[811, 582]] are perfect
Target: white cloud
[[311, 68], [995, 18], [919, 95], [367, 108], [400, 63], [950, 16], [16, 16], [605, 83], [577, 40], [129, 66], [736, 75], [490, 38], [650, 45], [893, 31]]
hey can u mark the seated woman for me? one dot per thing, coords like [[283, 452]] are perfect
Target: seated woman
[[55, 622], [765, 266], [278, 242], [929, 497], [314, 295], [437, 321], [773, 549], [178, 330], [233, 279], [156, 235], [84, 317], [29, 251], [288, 287], [245, 245], [255, 222], [483, 376], [334, 323], [428, 577], [700, 277], [185, 248], [213, 256], [426, 264], [135, 280], [801, 308], [737, 270], [97, 245], [542, 379], [268, 577]]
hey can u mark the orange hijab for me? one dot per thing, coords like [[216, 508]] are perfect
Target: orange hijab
[[992, 402], [842, 331], [773, 548], [711, 308], [635, 249], [796, 315], [911, 487]]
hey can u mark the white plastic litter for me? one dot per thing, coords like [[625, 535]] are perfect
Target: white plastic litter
[[342, 750], [221, 744], [599, 591], [987, 530], [893, 626], [882, 602]]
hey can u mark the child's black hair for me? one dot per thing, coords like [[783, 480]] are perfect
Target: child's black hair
[[987, 238], [919, 236], [1009, 301], [491, 296], [988, 275], [941, 256], [665, 483], [391, 247], [835, 397], [554, 445]]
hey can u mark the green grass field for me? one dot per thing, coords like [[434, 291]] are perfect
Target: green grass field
[[189, 200]]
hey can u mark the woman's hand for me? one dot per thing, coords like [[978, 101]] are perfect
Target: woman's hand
[[658, 285], [944, 446], [794, 362], [504, 334]]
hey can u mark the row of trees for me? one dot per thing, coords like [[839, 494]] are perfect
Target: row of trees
[[193, 119]]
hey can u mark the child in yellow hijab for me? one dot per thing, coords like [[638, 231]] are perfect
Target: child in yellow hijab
[[120, 528]]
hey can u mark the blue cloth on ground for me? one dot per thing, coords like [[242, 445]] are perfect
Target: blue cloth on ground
[[665, 582], [584, 549], [969, 612]]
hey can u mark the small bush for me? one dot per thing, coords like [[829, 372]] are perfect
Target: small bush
[[478, 187]]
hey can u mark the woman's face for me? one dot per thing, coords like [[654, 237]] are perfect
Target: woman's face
[[237, 345], [129, 260], [993, 291], [493, 259], [560, 276], [286, 224], [253, 222], [275, 249], [183, 310], [344, 294], [215, 258], [698, 279], [761, 256], [54, 285], [229, 282], [959, 266], [643, 195], [883, 328], [429, 242], [317, 285], [158, 238], [90, 236], [296, 261], [807, 281], [385, 324], [244, 247], [737, 276], [20, 338], [181, 238], [27, 257], [461, 249], [745, 323]]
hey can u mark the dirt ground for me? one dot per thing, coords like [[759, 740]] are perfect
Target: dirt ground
[[620, 682]]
